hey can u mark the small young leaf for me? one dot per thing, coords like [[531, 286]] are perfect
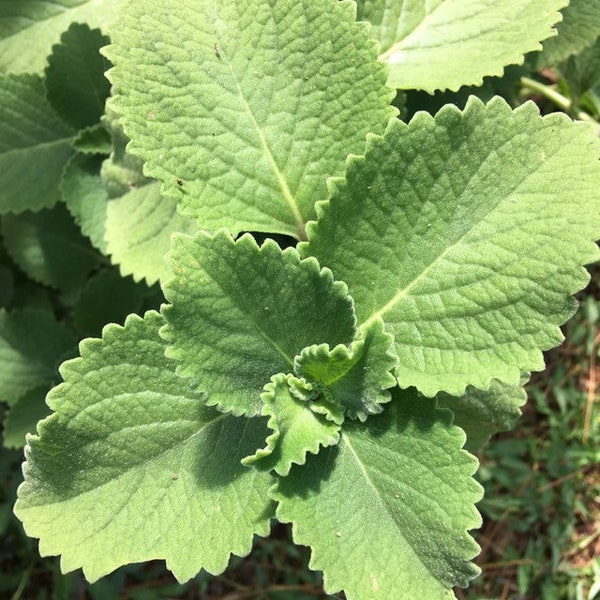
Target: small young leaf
[[132, 466], [297, 430], [77, 88], [482, 413], [29, 28], [30, 134], [240, 313], [250, 104], [466, 233], [388, 508], [32, 343], [430, 44], [356, 377]]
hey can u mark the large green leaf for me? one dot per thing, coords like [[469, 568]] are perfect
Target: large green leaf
[[22, 417], [32, 138], [444, 44], [240, 314], [579, 29], [466, 233], [386, 512], [243, 108], [29, 28], [32, 343], [133, 467]]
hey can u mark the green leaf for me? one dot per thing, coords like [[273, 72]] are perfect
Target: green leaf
[[388, 509], [30, 134], [29, 28], [133, 467], [77, 88], [23, 415], [582, 71], [86, 197], [579, 29], [297, 430], [49, 247], [93, 140], [32, 343], [466, 233], [240, 314], [134, 228], [431, 44], [139, 226], [482, 413], [244, 108], [106, 298], [356, 377]]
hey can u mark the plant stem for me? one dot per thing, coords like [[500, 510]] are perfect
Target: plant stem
[[556, 97], [22, 583]]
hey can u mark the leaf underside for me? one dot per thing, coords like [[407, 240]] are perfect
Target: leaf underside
[[466, 233], [130, 437]]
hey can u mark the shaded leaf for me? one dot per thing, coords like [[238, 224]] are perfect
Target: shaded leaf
[[30, 134]]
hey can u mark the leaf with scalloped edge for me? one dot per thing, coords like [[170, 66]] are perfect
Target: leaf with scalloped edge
[[243, 108], [31, 134], [75, 82], [132, 466], [240, 313], [32, 343], [22, 417], [49, 247], [482, 413], [466, 232], [297, 430], [431, 44], [29, 28], [578, 30], [389, 507], [357, 377]]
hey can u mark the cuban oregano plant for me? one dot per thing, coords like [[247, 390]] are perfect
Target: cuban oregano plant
[[408, 277]]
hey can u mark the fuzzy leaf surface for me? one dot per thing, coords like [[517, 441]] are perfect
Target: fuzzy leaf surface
[[356, 377], [482, 413], [578, 30], [29, 28], [466, 233], [30, 134], [297, 430], [32, 343], [389, 507], [77, 88], [132, 466], [430, 44], [240, 313], [250, 104]]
